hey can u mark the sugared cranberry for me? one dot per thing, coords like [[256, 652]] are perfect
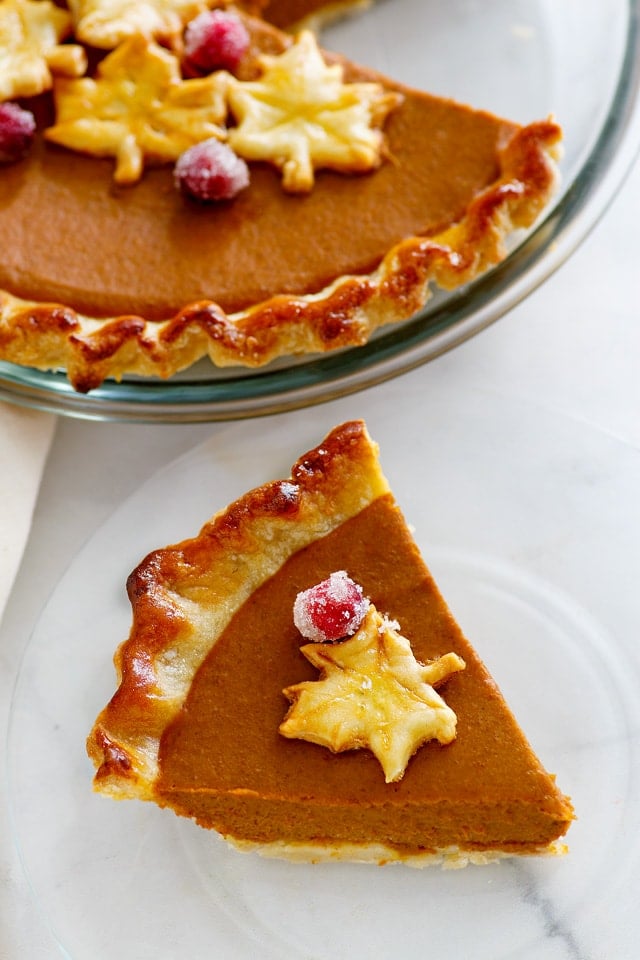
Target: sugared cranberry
[[215, 40], [211, 171], [17, 127], [330, 610]]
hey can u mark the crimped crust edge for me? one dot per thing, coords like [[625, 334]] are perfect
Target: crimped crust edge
[[183, 596], [50, 336]]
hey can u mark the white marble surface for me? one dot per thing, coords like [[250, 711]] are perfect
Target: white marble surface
[[572, 347]]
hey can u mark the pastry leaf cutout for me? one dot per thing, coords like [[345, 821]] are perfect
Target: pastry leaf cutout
[[372, 694]]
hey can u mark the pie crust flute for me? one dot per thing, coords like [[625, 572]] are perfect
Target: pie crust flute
[[176, 282], [194, 722]]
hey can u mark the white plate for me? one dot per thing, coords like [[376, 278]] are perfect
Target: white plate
[[523, 59], [531, 524]]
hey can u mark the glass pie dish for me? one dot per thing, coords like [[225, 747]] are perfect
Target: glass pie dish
[[524, 60], [544, 594]]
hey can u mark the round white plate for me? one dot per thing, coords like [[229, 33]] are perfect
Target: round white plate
[[531, 524]]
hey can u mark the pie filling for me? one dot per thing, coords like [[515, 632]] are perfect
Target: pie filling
[[73, 237], [427, 829]]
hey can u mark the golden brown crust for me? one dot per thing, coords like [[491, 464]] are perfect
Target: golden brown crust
[[183, 596]]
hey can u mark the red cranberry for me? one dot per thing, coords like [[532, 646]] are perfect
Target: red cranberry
[[211, 171], [17, 128], [330, 610], [215, 40]]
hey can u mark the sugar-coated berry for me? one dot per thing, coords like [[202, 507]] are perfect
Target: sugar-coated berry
[[17, 128], [211, 171], [330, 610], [215, 40]]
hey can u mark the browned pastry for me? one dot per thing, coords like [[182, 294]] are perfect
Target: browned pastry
[[195, 722]]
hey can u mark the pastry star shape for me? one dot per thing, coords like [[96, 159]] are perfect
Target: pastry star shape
[[373, 693], [30, 47], [106, 23], [300, 116], [138, 108]]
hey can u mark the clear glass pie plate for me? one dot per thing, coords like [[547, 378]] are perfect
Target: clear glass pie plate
[[522, 59], [536, 549]]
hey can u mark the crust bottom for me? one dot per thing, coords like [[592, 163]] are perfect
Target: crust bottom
[[449, 858]]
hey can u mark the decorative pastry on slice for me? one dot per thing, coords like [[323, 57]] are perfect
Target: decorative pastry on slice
[[383, 738], [373, 693], [355, 195]]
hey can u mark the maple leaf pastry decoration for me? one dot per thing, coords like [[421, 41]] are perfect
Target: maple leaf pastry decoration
[[138, 108], [106, 24], [301, 116], [31, 48], [373, 694]]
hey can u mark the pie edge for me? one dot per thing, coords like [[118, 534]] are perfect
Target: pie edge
[[52, 336]]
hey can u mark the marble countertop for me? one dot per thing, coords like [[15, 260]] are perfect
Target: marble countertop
[[571, 349]]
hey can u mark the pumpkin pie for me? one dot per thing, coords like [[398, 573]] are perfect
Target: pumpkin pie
[[202, 722], [105, 275]]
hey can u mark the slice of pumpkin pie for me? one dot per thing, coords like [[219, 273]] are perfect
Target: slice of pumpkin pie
[[223, 189], [294, 680]]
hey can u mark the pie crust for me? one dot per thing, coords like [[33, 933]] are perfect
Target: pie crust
[[95, 336], [194, 722]]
